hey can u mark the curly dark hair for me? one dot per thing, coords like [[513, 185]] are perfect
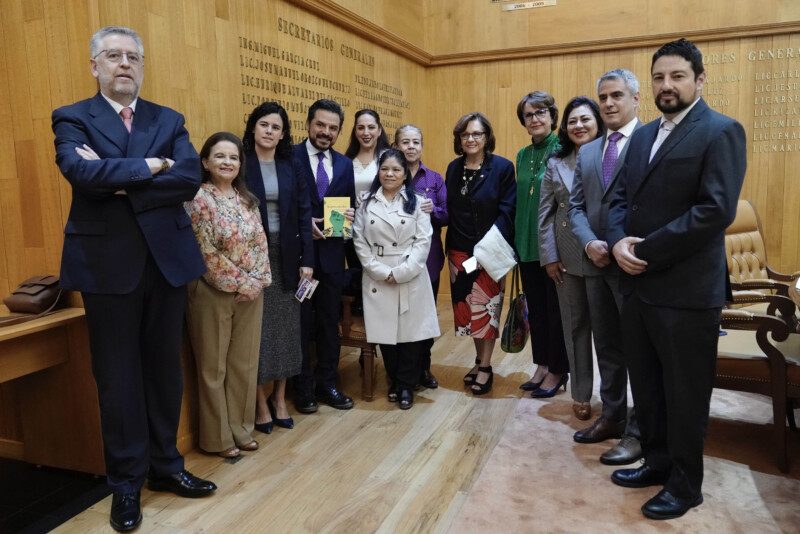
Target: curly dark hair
[[567, 147], [284, 148]]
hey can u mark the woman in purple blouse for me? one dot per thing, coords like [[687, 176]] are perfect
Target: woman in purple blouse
[[430, 185]]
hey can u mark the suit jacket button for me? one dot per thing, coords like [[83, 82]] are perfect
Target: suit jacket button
[[394, 244], [564, 223], [562, 204], [372, 221], [374, 290], [402, 222], [635, 207]]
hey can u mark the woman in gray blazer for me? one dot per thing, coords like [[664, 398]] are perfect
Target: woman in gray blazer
[[560, 251]]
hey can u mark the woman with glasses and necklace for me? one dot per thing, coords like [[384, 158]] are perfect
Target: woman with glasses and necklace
[[538, 113], [561, 253], [481, 193]]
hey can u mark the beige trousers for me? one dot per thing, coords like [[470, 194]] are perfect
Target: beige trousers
[[225, 337]]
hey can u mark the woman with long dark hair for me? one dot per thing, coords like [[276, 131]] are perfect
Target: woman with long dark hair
[[286, 214], [392, 237], [368, 140], [560, 251], [225, 305]]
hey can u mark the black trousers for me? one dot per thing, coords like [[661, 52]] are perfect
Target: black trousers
[[672, 355], [544, 315], [320, 323], [402, 362], [135, 341], [425, 356]]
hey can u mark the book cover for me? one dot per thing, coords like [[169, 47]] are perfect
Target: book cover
[[335, 224]]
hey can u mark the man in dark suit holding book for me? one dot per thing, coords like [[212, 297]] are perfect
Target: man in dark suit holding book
[[327, 174]]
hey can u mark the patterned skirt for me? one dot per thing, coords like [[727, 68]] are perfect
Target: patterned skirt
[[477, 299], [280, 355]]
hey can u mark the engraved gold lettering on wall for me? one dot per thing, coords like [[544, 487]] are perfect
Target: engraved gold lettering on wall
[[269, 71], [776, 100]]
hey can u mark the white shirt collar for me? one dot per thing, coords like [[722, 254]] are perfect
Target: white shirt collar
[[118, 107], [313, 151], [626, 130], [676, 120]]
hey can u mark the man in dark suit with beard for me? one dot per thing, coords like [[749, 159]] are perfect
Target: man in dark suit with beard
[[327, 174], [666, 228]]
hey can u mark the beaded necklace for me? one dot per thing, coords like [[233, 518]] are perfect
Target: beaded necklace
[[548, 143], [468, 176]]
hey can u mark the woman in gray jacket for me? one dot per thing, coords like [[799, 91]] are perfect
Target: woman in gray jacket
[[560, 251], [392, 237]]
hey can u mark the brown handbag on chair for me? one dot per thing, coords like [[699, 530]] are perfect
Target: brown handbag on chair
[[37, 296]]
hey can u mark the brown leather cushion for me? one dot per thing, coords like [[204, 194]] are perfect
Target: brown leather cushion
[[738, 354], [744, 245]]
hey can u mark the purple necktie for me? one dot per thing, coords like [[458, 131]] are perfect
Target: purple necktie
[[322, 176], [610, 157]]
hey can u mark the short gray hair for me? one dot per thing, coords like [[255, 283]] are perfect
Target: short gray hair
[[406, 128], [99, 35], [621, 74]]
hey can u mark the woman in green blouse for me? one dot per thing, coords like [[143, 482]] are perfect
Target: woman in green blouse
[[538, 113]]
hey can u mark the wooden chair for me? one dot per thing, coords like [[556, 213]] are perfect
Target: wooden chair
[[759, 354], [352, 333]]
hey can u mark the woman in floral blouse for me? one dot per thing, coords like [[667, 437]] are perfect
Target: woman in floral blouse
[[225, 305]]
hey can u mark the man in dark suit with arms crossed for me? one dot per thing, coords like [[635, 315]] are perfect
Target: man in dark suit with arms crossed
[[327, 174], [666, 228], [130, 250]]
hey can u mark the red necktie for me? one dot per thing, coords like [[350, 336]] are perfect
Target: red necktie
[[127, 118]]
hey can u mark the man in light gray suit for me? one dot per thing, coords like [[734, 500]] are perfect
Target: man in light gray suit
[[596, 173]]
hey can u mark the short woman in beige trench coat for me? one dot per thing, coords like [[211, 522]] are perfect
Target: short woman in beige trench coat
[[392, 237]]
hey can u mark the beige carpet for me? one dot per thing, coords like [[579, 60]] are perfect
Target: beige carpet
[[538, 479]]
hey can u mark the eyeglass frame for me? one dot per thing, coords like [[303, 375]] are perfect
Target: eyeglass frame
[[466, 136], [539, 113], [123, 54]]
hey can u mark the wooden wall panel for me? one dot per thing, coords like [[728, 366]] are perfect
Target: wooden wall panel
[[733, 89], [478, 25]]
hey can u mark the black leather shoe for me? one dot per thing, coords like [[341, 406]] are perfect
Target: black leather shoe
[[126, 511], [427, 380], [627, 451], [393, 394], [640, 477], [182, 483], [406, 399], [334, 398], [530, 385], [283, 423], [601, 430], [665, 505], [306, 403]]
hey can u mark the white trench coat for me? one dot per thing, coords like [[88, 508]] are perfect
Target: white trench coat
[[390, 241]]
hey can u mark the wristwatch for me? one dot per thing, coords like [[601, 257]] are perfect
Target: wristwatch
[[164, 164]]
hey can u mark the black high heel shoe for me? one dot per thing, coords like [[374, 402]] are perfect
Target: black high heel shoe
[[480, 389], [469, 378], [393, 394], [265, 428], [283, 423], [406, 399], [530, 385], [540, 393]]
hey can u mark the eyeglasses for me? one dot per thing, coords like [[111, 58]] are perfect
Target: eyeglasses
[[115, 56], [539, 114], [466, 136]]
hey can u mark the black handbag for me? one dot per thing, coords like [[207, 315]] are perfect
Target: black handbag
[[516, 328]]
